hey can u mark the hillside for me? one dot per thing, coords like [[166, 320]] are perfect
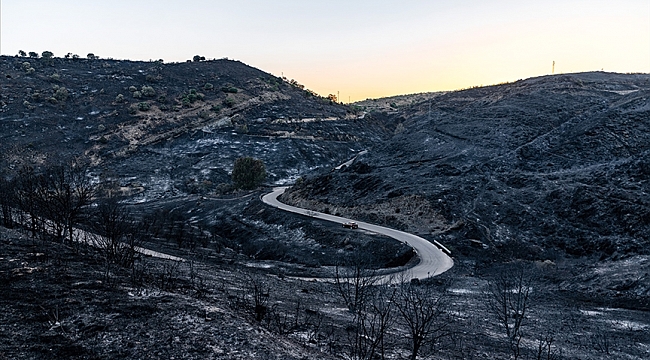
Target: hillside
[[550, 163], [163, 138], [192, 119], [543, 182]]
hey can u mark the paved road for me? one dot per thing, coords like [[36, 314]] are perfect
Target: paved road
[[433, 261]]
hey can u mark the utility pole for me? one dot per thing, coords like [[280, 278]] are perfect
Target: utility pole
[[553, 71], [338, 96]]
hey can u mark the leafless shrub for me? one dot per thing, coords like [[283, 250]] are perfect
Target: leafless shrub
[[197, 282], [253, 299], [371, 323], [509, 299], [423, 312], [64, 191], [7, 201], [115, 230], [139, 274], [331, 338], [259, 291], [168, 277], [545, 348], [298, 319], [313, 324], [601, 341], [280, 322], [354, 283], [26, 191]]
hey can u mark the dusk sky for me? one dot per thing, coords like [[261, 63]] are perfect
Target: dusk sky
[[363, 49]]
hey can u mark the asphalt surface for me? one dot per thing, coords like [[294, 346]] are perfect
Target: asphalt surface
[[433, 261]]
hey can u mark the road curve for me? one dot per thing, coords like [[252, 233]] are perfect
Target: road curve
[[433, 261]]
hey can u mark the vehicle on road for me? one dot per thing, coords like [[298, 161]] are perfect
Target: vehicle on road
[[351, 225]]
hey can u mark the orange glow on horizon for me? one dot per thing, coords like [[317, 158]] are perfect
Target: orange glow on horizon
[[372, 49]]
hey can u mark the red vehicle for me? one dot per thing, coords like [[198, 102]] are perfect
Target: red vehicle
[[351, 225]]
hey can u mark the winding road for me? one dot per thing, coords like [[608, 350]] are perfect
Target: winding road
[[433, 261]]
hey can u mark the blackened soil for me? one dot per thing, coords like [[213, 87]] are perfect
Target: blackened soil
[[557, 162], [60, 302], [242, 224]]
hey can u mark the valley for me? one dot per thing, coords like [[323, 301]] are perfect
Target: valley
[[537, 187]]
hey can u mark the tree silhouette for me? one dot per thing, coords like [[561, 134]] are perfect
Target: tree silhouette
[[423, 313], [509, 300]]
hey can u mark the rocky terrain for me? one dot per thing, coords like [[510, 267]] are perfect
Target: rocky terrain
[[549, 174]]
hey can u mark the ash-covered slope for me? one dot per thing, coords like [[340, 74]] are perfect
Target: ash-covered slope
[[158, 128], [557, 161]]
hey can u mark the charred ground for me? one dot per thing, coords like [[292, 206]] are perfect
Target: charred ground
[[532, 169], [550, 172], [187, 121]]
